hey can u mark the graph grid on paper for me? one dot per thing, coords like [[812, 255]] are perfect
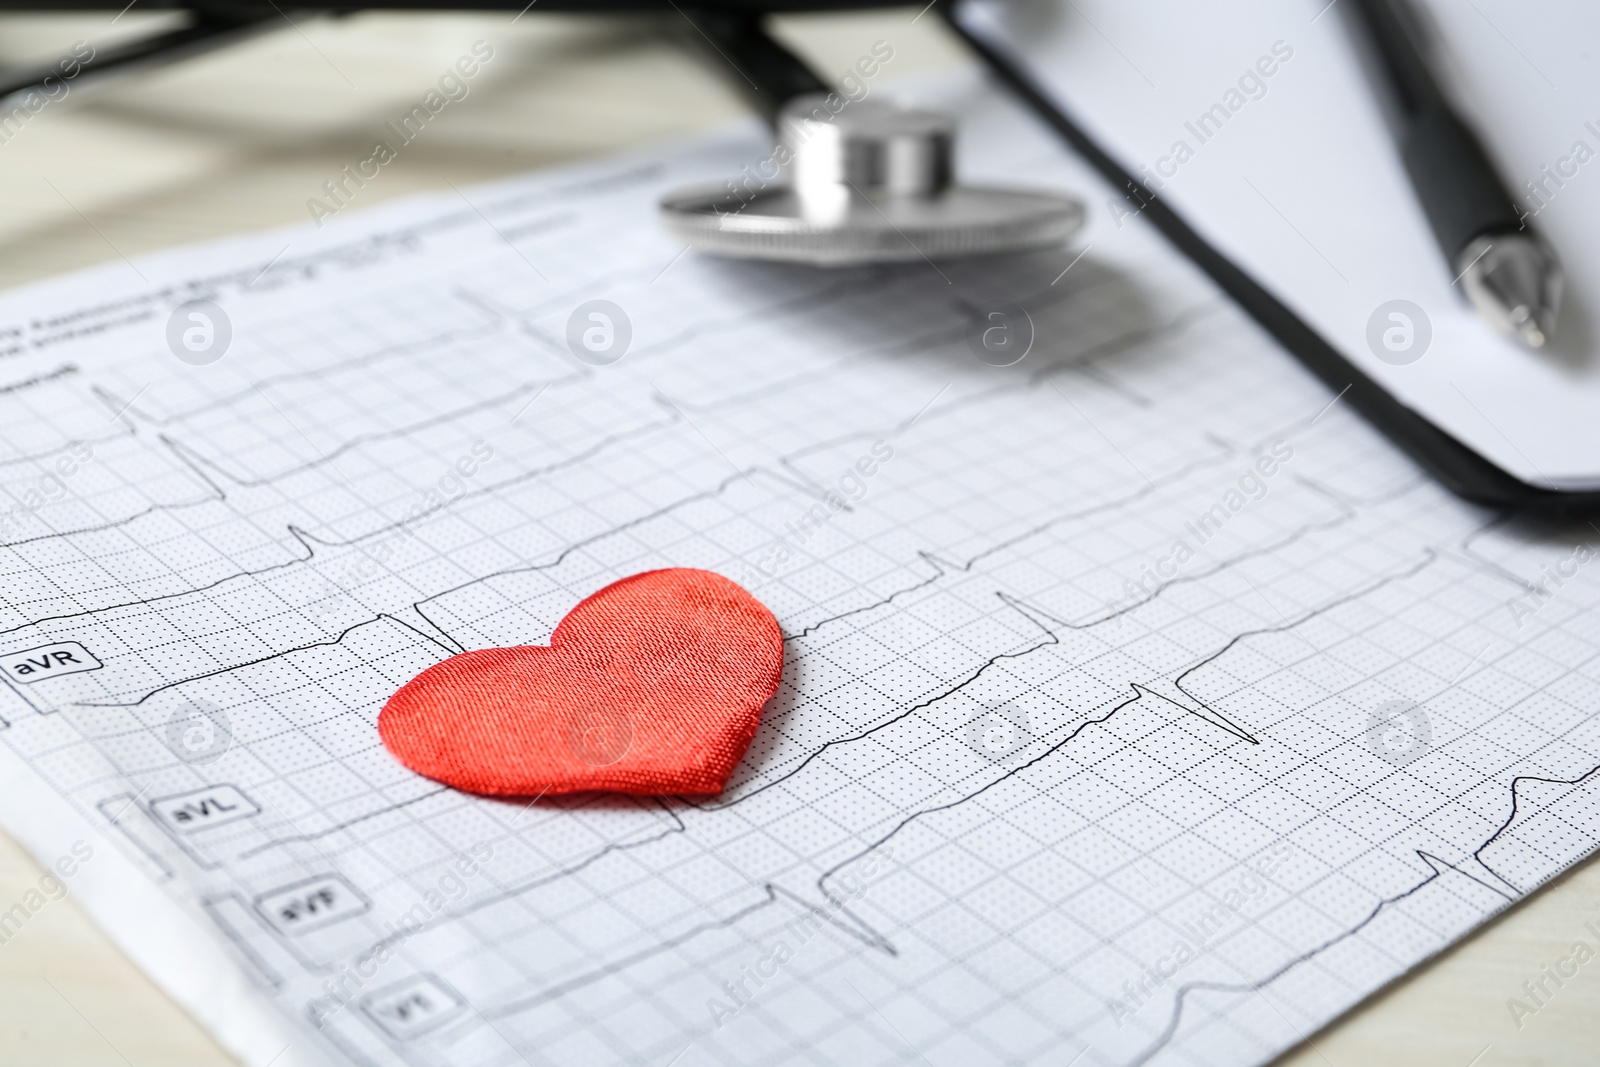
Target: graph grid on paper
[[1140, 703]]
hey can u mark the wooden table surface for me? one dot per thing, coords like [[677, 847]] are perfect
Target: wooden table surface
[[239, 140]]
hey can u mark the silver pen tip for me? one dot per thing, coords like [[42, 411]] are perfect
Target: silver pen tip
[[1527, 328], [1514, 281]]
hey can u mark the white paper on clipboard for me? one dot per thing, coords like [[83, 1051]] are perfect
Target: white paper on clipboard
[[1256, 121]]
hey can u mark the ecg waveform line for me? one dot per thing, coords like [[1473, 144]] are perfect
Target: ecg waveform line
[[309, 541]]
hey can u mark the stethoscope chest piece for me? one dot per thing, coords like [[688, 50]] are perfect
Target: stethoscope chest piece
[[871, 183]]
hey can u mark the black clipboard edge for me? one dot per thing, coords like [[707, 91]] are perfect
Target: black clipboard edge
[[1454, 465]]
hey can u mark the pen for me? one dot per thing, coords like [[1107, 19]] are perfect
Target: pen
[[1512, 277]]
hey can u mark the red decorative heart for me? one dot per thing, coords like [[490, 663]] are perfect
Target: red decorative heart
[[653, 685]]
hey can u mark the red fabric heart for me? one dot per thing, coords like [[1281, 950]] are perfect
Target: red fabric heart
[[652, 685]]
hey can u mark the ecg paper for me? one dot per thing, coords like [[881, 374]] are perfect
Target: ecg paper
[[1140, 703]]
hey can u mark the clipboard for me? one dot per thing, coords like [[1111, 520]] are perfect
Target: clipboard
[[1458, 465]]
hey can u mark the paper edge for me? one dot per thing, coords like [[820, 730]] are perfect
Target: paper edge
[[168, 945]]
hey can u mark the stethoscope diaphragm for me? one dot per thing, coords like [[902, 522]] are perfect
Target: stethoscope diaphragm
[[868, 183]]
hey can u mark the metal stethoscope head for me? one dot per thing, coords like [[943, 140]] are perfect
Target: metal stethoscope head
[[866, 182]]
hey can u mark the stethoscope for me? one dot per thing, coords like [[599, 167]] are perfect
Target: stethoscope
[[848, 181]]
